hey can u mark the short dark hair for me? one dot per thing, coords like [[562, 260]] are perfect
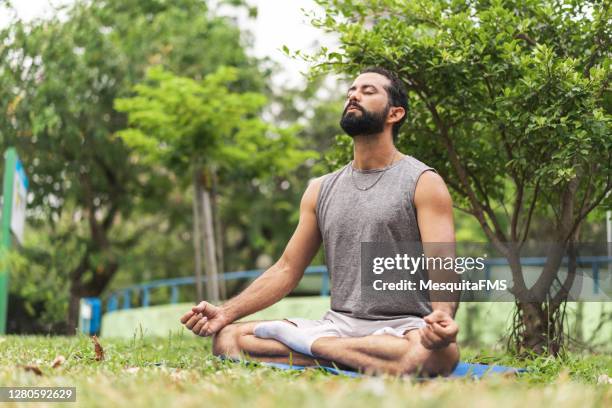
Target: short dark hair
[[396, 93]]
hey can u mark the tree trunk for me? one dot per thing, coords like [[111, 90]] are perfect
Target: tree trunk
[[535, 323], [543, 320], [197, 238], [100, 245], [72, 321], [92, 288], [542, 328], [218, 234], [210, 252]]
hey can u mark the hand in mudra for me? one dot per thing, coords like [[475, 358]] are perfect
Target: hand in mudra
[[205, 319], [441, 330]]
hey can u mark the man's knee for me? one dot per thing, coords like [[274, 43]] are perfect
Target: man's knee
[[225, 342]]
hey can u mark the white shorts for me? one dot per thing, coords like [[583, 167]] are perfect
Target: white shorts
[[334, 324]]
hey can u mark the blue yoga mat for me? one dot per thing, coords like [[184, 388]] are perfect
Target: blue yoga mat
[[471, 370]]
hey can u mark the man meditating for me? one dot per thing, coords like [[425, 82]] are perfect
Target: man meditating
[[381, 196]]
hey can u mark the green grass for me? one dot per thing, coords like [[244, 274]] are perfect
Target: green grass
[[180, 371], [488, 322]]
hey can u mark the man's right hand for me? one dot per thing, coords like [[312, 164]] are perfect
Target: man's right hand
[[275, 283], [205, 319]]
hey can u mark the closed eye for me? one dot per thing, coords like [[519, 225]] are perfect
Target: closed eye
[[366, 89]]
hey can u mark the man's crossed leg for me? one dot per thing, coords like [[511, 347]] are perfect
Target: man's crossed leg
[[416, 352]]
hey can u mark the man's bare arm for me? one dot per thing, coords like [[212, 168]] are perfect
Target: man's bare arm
[[275, 283], [435, 218], [282, 277]]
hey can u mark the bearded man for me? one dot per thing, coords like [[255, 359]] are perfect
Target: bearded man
[[383, 196]]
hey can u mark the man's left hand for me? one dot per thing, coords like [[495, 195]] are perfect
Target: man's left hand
[[441, 330]]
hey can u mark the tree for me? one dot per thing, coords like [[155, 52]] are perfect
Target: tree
[[261, 213], [59, 79], [510, 102], [202, 128]]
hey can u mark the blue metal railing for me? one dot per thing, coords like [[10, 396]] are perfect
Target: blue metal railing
[[125, 294], [145, 289]]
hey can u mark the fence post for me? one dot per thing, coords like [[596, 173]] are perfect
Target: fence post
[[126, 299], [112, 303], [145, 297], [175, 294]]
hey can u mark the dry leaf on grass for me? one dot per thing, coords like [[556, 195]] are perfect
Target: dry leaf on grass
[[97, 348], [32, 368], [58, 361]]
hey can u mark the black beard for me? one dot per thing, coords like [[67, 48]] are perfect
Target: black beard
[[368, 123]]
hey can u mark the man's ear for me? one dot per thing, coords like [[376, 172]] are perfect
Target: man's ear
[[396, 113]]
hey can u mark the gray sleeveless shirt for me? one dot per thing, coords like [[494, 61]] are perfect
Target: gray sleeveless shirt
[[348, 216]]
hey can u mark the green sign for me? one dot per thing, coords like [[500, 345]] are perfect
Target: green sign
[[15, 192]]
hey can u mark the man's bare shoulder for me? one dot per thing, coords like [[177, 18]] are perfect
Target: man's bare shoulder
[[431, 189], [315, 184], [316, 181], [309, 199], [432, 179]]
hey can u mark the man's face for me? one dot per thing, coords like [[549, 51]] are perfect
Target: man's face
[[367, 105]]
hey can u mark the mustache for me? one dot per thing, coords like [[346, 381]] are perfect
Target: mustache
[[353, 105]]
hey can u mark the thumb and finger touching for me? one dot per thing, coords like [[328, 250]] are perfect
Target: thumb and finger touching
[[200, 307], [437, 316]]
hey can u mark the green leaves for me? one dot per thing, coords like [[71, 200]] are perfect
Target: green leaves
[[507, 84], [60, 78], [204, 121]]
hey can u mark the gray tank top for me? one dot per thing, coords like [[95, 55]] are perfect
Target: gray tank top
[[348, 216]]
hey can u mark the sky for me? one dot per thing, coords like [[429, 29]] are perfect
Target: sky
[[278, 23], [282, 22]]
